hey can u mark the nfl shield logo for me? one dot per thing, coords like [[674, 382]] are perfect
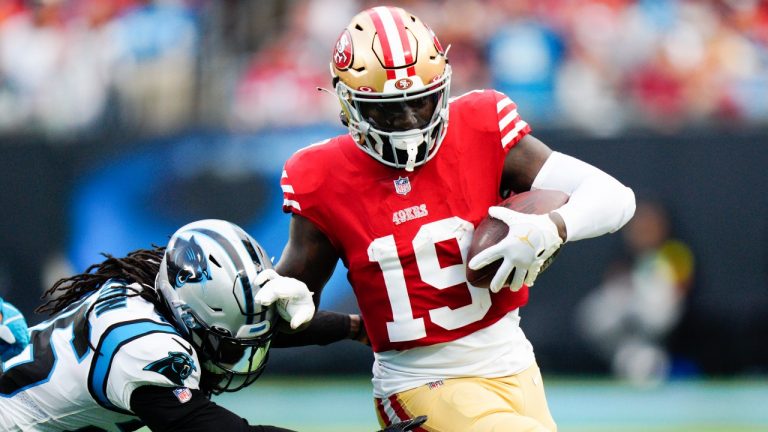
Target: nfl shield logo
[[183, 394], [402, 185]]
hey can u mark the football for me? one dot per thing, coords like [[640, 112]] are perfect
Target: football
[[490, 230]]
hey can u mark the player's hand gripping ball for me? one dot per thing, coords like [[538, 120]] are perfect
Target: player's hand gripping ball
[[516, 242]]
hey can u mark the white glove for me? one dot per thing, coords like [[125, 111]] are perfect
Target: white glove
[[530, 241], [6, 335], [294, 299]]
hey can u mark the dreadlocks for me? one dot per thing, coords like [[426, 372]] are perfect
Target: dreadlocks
[[139, 266]]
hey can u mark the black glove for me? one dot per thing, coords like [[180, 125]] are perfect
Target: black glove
[[407, 425]]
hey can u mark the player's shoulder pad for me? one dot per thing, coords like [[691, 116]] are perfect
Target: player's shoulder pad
[[117, 302], [170, 361], [312, 153], [479, 109], [307, 168], [478, 98], [157, 358]]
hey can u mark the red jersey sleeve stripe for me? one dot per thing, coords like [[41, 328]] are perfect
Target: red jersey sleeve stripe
[[503, 103], [515, 134], [291, 204], [511, 126], [510, 117], [288, 194]]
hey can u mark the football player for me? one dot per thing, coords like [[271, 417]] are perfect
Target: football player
[[13, 331], [398, 198], [145, 339]]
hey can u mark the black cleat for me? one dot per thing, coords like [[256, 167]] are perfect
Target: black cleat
[[407, 425]]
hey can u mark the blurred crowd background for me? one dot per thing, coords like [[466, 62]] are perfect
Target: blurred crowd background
[[603, 66], [121, 120]]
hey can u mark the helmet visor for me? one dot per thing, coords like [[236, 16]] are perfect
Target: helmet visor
[[231, 378], [237, 362], [394, 115], [233, 355]]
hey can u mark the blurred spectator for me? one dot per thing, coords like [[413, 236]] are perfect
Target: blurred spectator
[[54, 73], [32, 51], [524, 59], [9, 8], [629, 316], [157, 44], [600, 66], [90, 62], [279, 85]]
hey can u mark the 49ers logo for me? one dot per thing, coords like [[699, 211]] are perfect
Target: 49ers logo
[[342, 54], [403, 83]]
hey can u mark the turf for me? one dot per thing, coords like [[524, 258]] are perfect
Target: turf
[[311, 404]]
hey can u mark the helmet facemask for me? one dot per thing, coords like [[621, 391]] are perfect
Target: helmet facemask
[[235, 362], [373, 121]]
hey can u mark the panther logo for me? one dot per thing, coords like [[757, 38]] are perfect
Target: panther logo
[[177, 367], [186, 263]]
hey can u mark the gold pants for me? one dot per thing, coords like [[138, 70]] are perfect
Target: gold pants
[[509, 404]]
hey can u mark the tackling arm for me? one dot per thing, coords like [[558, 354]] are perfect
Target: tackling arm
[[161, 410], [311, 258]]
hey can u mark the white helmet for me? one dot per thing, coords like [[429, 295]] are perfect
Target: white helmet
[[206, 279], [387, 66]]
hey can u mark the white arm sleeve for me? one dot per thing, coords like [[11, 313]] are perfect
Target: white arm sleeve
[[598, 203]]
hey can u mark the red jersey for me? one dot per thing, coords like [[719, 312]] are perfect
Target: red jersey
[[404, 236]]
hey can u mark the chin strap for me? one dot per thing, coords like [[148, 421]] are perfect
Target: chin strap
[[412, 150], [408, 141]]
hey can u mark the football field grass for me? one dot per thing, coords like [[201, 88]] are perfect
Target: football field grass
[[313, 404]]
